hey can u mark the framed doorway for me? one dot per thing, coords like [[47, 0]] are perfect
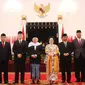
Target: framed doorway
[[42, 30]]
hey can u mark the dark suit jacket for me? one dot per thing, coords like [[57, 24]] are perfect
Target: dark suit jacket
[[38, 51], [79, 49], [20, 49], [5, 53], [64, 49]]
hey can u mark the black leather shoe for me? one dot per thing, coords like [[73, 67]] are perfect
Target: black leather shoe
[[68, 81], [83, 80], [77, 80], [7, 83], [22, 82], [0, 82], [33, 82], [63, 81], [38, 82], [15, 83]]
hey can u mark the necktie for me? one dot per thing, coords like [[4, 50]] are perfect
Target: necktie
[[3, 44], [79, 41]]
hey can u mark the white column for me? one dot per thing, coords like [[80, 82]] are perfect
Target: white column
[[60, 26], [23, 24]]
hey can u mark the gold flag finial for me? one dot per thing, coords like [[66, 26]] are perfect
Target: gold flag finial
[[24, 17], [60, 17]]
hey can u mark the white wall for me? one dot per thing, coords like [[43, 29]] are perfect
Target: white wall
[[10, 22]]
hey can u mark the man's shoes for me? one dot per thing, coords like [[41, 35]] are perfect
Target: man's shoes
[[6, 83], [68, 81], [38, 82], [15, 82], [83, 80], [33, 82], [63, 81], [77, 80], [22, 82]]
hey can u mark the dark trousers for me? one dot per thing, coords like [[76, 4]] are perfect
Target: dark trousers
[[79, 67], [65, 65], [19, 67], [4, 68]]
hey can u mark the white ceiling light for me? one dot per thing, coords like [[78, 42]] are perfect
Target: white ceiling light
[[12, 6], [68, 6]]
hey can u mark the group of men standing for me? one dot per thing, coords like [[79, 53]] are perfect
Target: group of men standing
[[20, 50], [34, 49], [77, 49]]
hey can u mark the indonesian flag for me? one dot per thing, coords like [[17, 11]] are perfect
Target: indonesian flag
[[62, 31], [23, 32], [70, 38], [8, 39]]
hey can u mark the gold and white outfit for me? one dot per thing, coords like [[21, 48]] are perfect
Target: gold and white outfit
[[52, 61]]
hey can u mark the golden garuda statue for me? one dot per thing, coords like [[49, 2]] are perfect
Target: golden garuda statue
[[42, 10]]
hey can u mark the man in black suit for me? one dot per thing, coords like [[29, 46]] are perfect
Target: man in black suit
[[19, 49], [65, 49], [79, 56], [5, 57], [35, 50]]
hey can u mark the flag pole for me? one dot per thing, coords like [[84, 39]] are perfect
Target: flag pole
[[60, 26], [23, 26]]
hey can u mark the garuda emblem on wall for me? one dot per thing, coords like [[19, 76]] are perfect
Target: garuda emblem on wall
[[42, 10]]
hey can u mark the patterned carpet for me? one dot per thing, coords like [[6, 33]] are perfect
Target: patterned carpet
[[44, 83], [43, 80]]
